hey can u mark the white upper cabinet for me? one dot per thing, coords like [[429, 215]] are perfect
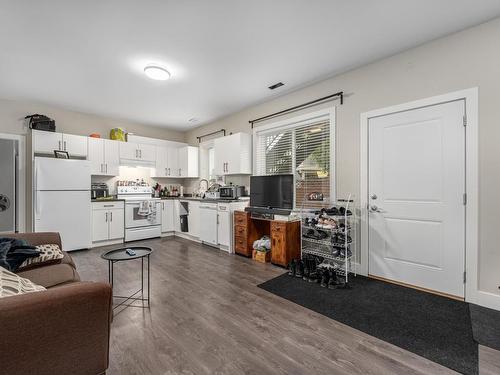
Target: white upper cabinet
[[233, 154], [173, 162], [46, 142], [136, 152], [104, 156], [188, 161], [176, 162]]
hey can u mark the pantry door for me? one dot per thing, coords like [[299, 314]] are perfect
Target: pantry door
[[416, 207]]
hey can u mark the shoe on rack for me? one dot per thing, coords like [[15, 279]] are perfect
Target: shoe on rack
[[332, 211], [336, 251], [299, 270], [292, 268], [307, 269], [325, 277], [333, 282]]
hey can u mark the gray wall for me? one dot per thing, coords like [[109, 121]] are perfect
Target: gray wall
[[467, 59]]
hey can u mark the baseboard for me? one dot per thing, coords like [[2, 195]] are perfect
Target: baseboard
[[186, 237], [106, 243], [485, 299]]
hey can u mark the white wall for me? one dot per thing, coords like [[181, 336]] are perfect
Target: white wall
[[467, 59]]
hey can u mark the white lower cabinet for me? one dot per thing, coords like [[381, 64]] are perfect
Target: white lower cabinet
[[108, 221], [194, 219], [167, 215], [223, 224]]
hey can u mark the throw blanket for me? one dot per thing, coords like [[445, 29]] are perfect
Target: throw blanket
[[13, 252]]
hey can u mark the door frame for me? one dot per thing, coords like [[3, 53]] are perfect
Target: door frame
[[21, 179], [470, 96]]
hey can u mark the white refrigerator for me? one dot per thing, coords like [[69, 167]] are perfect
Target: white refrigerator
[[61, 201]]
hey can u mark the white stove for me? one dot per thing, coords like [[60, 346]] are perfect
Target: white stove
[[142, 212]]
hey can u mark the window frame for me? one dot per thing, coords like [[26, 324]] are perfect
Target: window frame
[[293, 123]]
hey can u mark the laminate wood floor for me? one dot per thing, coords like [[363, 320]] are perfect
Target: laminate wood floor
[[208, 316]]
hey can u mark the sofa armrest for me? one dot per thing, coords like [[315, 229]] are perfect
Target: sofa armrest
[[40, 238], [63, 330]]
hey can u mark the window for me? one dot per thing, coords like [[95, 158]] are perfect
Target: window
[[301, 146]]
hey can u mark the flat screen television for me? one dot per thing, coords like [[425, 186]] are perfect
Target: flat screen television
[[272, 191]]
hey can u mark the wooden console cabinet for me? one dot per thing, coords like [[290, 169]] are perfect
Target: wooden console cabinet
[[285, 237]]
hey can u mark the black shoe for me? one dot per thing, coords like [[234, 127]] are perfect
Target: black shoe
[[325, 276], [299, 269], [307, 269], [292, 268], [313, 270], [332, 282]]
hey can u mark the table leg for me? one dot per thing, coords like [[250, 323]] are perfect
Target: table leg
[[149, 281]]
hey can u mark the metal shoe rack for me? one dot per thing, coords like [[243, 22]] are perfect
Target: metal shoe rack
[[335, 244]]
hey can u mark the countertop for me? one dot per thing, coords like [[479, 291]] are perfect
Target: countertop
[[107, 200], [197, 199]]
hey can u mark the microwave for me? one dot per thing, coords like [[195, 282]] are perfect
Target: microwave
[[231, 192]]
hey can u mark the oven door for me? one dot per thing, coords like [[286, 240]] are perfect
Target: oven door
[[135, 217]]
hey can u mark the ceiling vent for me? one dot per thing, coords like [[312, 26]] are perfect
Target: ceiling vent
[[276, 85]]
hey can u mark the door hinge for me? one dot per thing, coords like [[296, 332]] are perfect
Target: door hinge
[[465, 277], [465, 199], [465, 120]]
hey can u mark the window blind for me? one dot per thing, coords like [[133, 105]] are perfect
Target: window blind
[[304, 150]]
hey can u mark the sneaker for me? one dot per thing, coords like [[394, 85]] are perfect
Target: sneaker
[[292, 268], [332, 282], [325, 277], [299, 271]]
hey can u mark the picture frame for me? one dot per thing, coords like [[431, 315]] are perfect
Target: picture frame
[[61, 154]]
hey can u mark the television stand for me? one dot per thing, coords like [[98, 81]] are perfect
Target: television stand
[[285, 235]]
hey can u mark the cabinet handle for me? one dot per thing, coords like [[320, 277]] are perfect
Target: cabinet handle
[[106, 217], [179, 172], [217, 219], [59, 147], [140, 154], [111, 216], [64, 145]]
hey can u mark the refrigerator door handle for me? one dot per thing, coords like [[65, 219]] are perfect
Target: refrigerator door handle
[[106, 217]]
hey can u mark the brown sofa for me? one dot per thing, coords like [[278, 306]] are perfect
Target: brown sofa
[[63, 330]]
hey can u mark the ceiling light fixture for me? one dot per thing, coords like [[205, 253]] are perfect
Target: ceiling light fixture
[[157, 72], [193, 120]]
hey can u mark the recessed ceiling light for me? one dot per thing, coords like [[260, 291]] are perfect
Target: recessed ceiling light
[[276, 85], [193, 120], [157, 72]]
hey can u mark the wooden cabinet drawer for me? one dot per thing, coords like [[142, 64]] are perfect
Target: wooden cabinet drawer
[[240, 245], [240, 231], [240, 218]]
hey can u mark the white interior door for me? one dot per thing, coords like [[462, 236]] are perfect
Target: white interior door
[[416, 197]]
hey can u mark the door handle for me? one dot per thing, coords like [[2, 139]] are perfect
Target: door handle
[[374, 208], [179, 172], [373, 196]]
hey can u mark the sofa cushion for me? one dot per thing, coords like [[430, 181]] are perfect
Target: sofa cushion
[[51, 275], [13, 285], [49, 253]]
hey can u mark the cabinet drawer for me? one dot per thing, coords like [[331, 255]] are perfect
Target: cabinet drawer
[[240, 231], [240, 218], [278, 227], [240, 245], [107, 205]]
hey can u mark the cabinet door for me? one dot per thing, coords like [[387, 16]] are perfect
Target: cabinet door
[[233, 154], [278, 243], [173, 162], [183, 156], [129, 150], [194, 219], [116, 219], [100, 228], [147, 152], [161, 163], [223, 229], [96, 156], [220, 155], [46, 142], [75, 145], [111, 157], [167, 216]]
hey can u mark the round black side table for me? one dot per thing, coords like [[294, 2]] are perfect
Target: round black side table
[[120, 255]]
